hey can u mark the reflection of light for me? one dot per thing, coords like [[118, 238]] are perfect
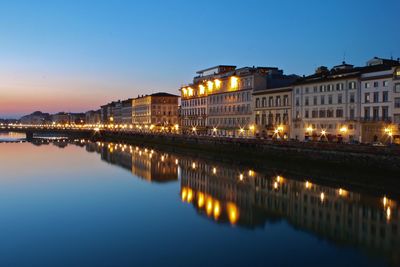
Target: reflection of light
[[278, 178], [384, 201], [241, 177], [209, 206], [322, 196], [251, 173], [190, 195], [308, 184], [233, 212], [275, 185], [194, 165], [200, 200], [214, 170], [162, 158], [217, 209], [184, 194], [388, 213], [234, 82], [176, 161]]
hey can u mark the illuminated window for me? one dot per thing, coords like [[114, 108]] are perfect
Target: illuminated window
[[190, 91], [217, 84], [210, 86], [184, 91], [201, 89], [234, 82]]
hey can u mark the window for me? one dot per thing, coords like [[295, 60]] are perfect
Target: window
[[351, 113], [285, 100], [396, 118], [366, 98], [375, 113], [315, 100], [314, 114], [330, 99], [264, 101], [278, 101], [297, 91], [376, 97], [339, 99], [367, 114], [306, 90], [385, 96], [306, 112], [316, 88], [257, 119], [322, 100], [270, 101], [352, 85], [322, 113], [339, 87], [376, 84], [397, 86], [385, 83], [385, 113], [257, 102], [352, 98], [297, 101], [329, 113], [397, 102], [322, 88], [367, 85], [306, 101], [264, 119], [339, 113]]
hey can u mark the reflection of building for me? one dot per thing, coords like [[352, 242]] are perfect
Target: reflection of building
[[144, 163], [331, 213]]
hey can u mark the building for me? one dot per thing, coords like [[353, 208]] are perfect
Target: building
[[378, 101], [345, 103], [93, 117], [60, 118], [272, 107], [219, 101], [326, 105], [77, 118], [126, 111], [111, 113], [157, 111], [36, 118]]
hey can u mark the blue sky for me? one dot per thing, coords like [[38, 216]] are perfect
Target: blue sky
[[76, 55]]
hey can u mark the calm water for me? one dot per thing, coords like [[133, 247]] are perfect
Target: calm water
[[99, 204]]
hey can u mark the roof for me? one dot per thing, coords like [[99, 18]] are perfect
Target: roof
[[163, 94], [218, 66], [339, 74]]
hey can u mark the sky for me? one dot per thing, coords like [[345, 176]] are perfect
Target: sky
[[76, 55]]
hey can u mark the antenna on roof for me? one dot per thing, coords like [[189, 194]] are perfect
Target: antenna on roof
[[391, 55], [344, 56]]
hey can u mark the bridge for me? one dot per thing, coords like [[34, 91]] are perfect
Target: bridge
[[32, 131]]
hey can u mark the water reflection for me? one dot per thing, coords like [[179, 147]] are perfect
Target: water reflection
[[247, 199]]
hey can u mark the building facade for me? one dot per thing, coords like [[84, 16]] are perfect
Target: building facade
[[157, 111], [378, 101], [219, 101], [127, 111], [92, 117]]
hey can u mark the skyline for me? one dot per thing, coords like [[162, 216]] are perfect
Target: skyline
[[74, 57]]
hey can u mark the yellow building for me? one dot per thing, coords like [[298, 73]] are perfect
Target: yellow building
[[157, 111]]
